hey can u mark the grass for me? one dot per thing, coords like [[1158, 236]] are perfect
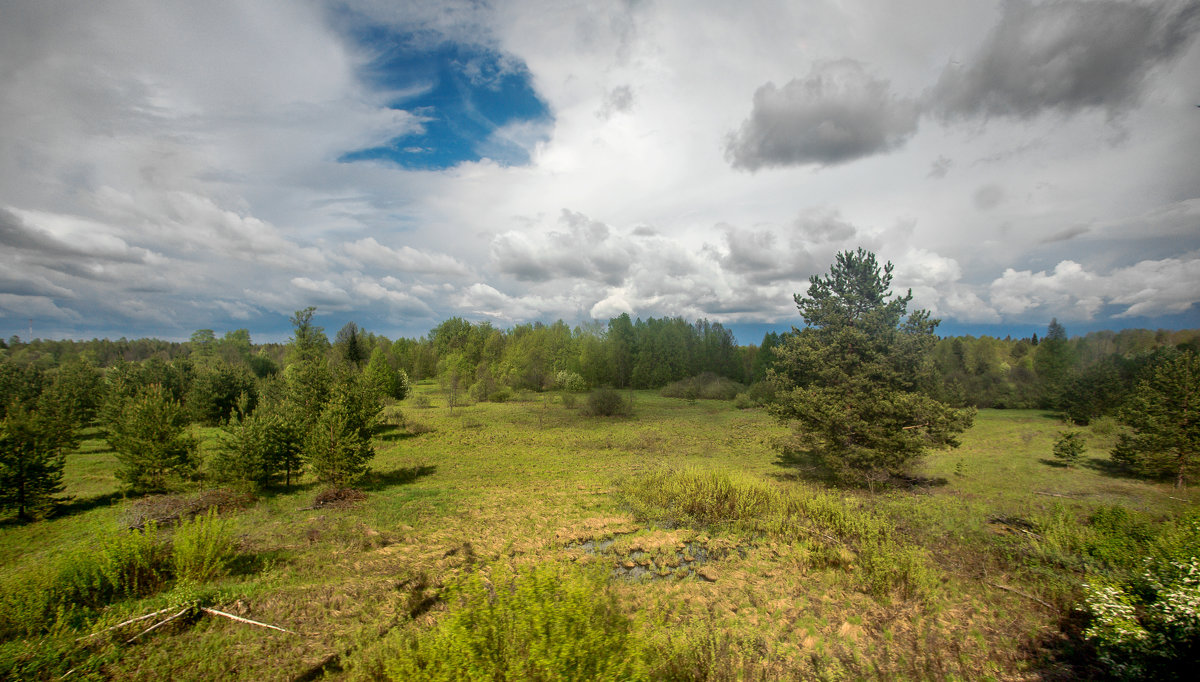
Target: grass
[[738, 569]]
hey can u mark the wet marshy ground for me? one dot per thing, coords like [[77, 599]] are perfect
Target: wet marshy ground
[[657, 556]]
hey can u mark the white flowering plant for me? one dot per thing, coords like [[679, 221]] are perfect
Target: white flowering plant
[[1148, 627]]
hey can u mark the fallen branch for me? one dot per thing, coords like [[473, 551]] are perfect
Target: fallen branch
[[1069, 497], [914, 426], [1177, 498], [123, 624], [1023, 594], [246, 620], [158, 624]]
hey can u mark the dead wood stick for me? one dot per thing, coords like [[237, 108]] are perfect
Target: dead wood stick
[[1023, 594], [123, 624], [1177, 498], [914, 426], [1069, 497], [158, 625], [246, 620]]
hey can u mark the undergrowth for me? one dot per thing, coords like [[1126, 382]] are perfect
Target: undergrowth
[[707, 386], [825, 524], [550, 622]]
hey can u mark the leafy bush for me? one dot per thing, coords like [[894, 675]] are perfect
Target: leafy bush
[[570, 381], [707, 386], [203, 548], [1069, 447], [742, 401], [552, 622], [606, 402], [1148, 627]]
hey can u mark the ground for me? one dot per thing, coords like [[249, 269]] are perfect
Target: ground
[[459, 491]]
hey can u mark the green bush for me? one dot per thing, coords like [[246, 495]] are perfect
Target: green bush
[[203, 548], [707, 386], [570, 381], [552, 622], [1148, 628], [606, 402]]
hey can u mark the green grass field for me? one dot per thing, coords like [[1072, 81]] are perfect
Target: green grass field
[[750, 573]]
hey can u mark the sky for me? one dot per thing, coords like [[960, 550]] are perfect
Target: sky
[[170, 166]]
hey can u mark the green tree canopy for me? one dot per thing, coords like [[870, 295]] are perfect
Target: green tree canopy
[[857, 382], [1164, 414]]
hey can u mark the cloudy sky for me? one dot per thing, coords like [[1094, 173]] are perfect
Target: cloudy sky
[[168, 166]]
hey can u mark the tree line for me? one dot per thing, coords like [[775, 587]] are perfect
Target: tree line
[[313, 404]]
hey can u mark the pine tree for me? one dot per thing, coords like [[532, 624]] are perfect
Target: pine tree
[[857, 382], [339, 447], [1163, 413], [152, 444], [32, 450]]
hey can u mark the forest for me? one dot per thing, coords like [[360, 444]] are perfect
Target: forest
[[625, 481]]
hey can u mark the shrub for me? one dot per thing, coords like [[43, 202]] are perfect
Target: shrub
[[1149, 627], [742, 401], [606, 402], [203, 548], [569, 401], [1069, 447], [761, 392], [570, 381], [552, 622], [707, 386]]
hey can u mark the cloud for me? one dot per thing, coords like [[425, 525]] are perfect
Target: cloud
[[940, 167], [619, 100], [1066, 234], [988, 197], [837, 113], [586, 249], [404, 259], [1066, 56], [1146, 289]]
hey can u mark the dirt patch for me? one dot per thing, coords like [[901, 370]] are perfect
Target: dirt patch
[[166, 510], [338, 498]]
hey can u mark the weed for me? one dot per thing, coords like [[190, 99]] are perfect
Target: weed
[[550, 622], [203, 548]]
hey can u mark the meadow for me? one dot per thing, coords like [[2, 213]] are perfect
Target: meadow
[[526, 537]]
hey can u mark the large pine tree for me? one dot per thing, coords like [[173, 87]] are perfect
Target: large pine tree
[[857, 381]]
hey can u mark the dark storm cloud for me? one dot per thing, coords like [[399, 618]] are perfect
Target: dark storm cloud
[[836, 114], [1066, 56]]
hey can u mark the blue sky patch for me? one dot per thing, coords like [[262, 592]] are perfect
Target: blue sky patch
[[465, 93]]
